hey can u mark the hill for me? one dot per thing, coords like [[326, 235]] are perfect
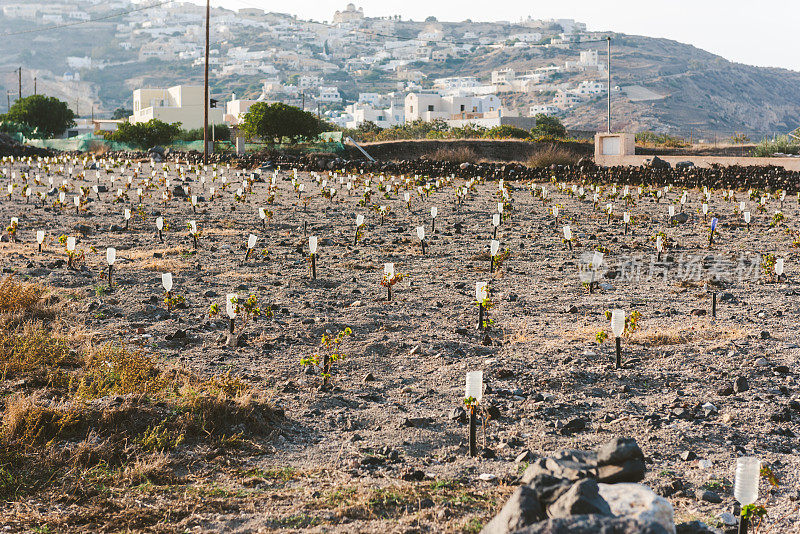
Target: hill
[[663, 85]]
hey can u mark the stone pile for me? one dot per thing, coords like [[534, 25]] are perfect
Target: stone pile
[[588, 492], [657, 173]]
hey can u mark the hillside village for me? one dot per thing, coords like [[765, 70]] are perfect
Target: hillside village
[[384, 70]]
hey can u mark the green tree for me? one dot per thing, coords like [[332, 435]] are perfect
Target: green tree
[[221, 132], [121, 113], [275, 122], [507, 131], [147, 134], [548, 126], [49, 115]]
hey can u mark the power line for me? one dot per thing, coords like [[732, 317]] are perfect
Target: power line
[[78, 23]]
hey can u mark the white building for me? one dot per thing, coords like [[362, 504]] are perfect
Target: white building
[[503, 76], [237, 108], [565, 99], [182, 103], [21, 11], [431, 32], [373, 99], [350, 15], [359, 113], [309, 82], [528, 37], [589, 59], [329, 95], [431, 106], [590, 88], [79, 62], [545, 109]]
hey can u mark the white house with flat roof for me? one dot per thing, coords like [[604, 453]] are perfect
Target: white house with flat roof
[[182, 103], [329, 95], [431, 106]]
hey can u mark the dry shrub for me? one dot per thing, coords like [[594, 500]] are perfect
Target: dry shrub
[[28, 422], [91, 451], [119, 404], [393, 501], [23, 301], [112, 370], [553, 154], [218, 414], [455, 155], [35, 354], [155, 469]]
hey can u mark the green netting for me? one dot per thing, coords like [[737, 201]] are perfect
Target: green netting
[[331, 137], [90, 142], [81, 143], [188, 145]]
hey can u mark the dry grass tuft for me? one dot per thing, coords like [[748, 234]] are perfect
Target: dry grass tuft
[[649, 335], [31, 352], [455, 155], [553, 155], [80, 409], [28, 422], [111, 370], [145, 254], [158, 265], [155, 469], [22, 301], [681, 334], [393, 501]]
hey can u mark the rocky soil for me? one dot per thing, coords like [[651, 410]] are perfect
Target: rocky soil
[[384, 448]]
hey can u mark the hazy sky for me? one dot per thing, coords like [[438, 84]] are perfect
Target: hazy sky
[[763, 33]]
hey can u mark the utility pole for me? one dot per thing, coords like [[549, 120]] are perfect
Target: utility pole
[[303, 94], [20, 83], [8, 99], [34, 85], [205, 88], [608, 74]]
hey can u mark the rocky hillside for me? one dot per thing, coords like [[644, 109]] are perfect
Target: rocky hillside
[[664, 85], [702, 91]]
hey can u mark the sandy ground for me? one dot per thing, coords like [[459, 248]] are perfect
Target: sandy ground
[[541, 362]]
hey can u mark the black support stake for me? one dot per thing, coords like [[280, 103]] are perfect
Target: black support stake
[[473, 431]]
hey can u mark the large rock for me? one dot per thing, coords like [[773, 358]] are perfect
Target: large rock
[[522, 509], [632, 470], [582, 498], [566, 467], [593, 524], [658, 163], [549, 488], [617, 451], [680, 218], [620, 460], [638, 502]]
